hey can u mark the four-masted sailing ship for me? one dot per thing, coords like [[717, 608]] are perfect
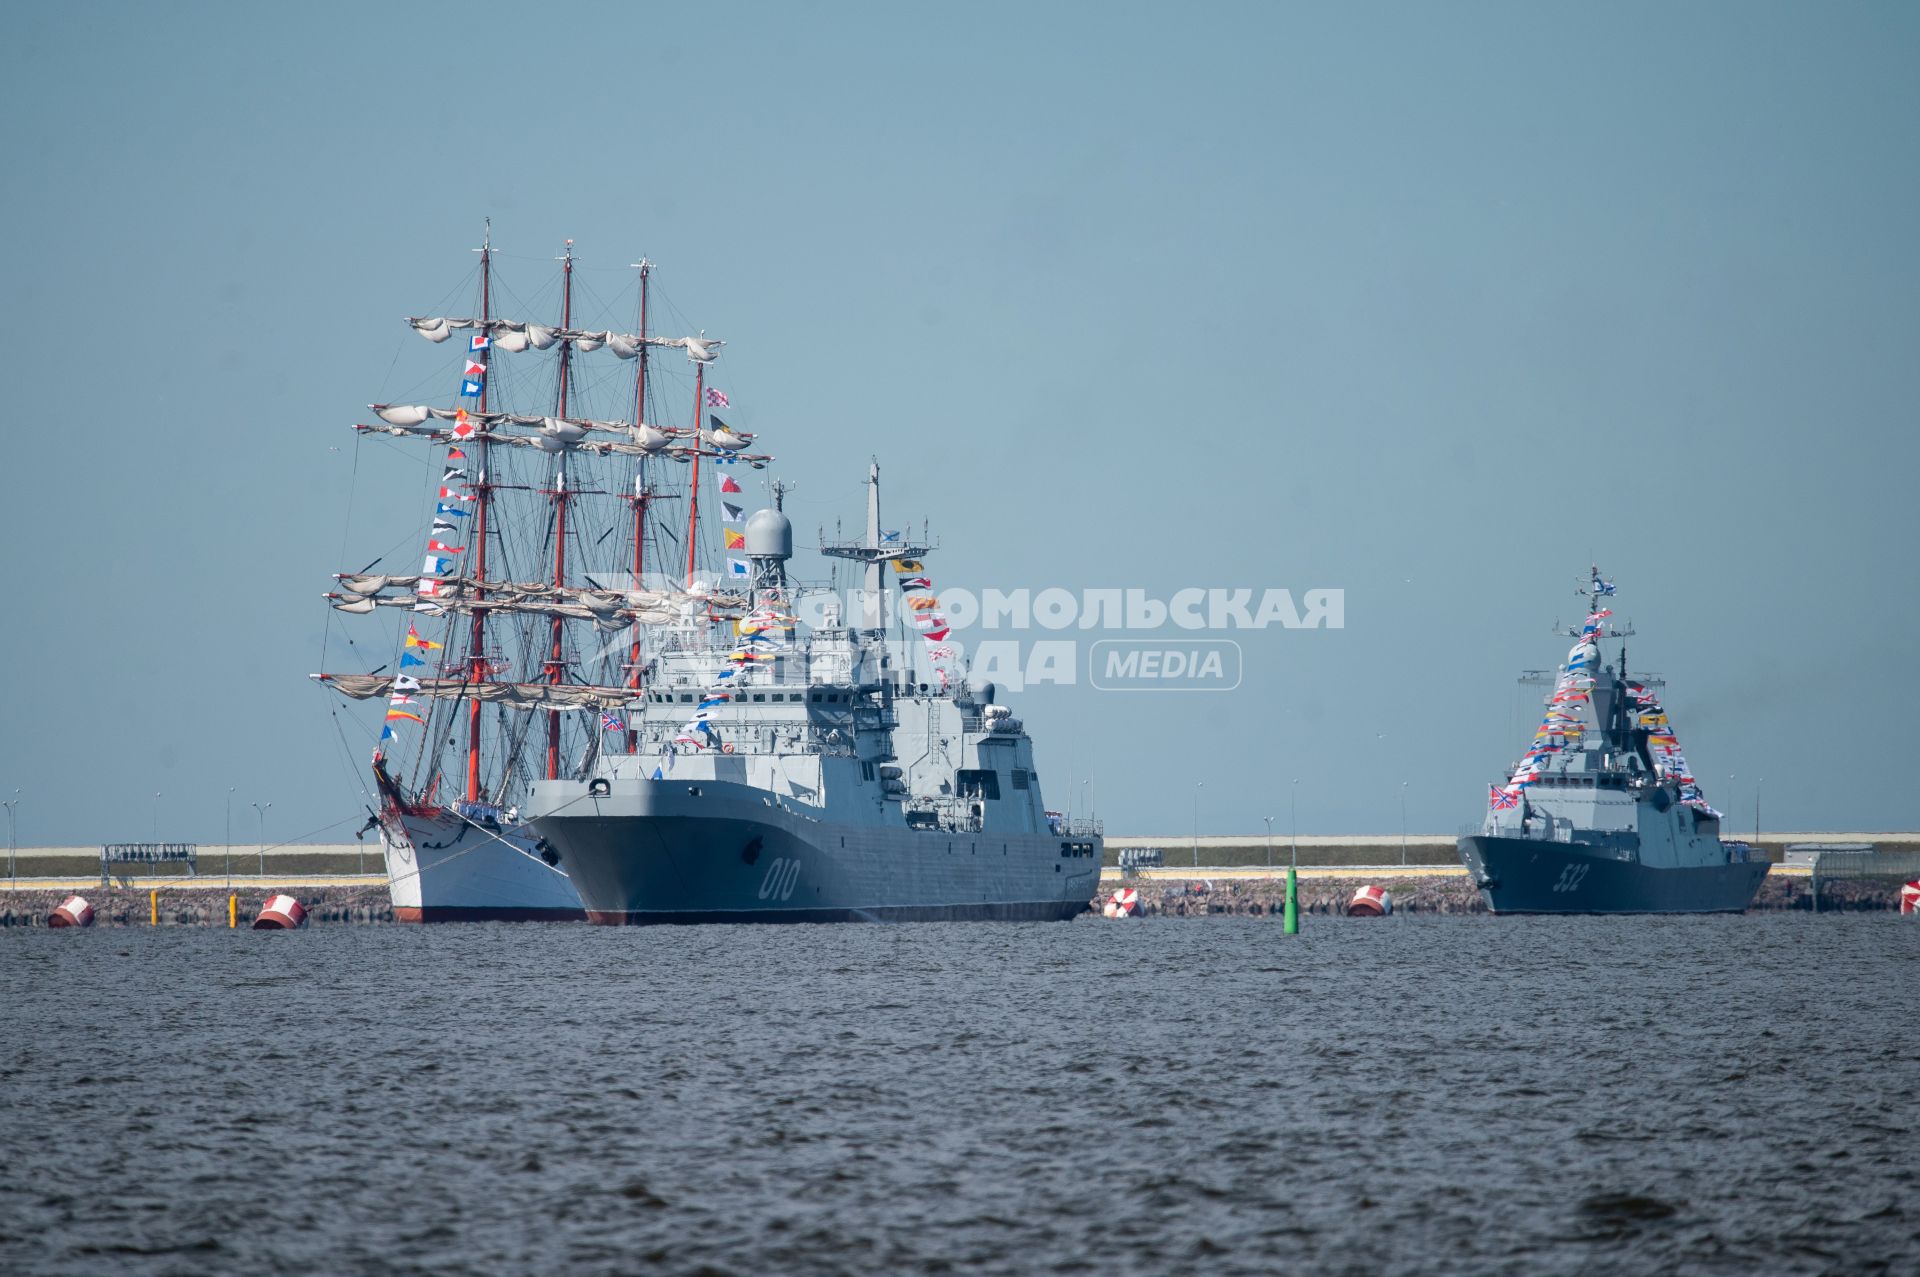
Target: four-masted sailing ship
[[512, 651]]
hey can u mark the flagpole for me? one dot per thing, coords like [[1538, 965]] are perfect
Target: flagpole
[[554, 670], [693, 496], [477, 643]]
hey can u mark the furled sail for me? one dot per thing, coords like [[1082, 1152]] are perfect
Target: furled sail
[[414, 414], [363, 687], [548, 443], [516, 335], [401, 414], [361, 594]]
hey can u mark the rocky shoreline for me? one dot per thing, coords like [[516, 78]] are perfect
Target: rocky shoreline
[[1196, 898], [1450, 893], [198, 907]]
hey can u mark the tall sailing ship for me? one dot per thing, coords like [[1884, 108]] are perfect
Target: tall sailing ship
[[570, 729], [523, 626], [1603, 813]]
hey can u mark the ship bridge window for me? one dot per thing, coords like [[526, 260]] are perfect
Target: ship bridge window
[[978, 782], [1019, 778], [759, 697]]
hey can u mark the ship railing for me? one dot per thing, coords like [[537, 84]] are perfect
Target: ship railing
[[1083, 826], [1536, 831]]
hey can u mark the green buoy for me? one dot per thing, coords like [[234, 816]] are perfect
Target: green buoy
[[1290, 920]]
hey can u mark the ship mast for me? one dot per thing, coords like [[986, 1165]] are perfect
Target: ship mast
[[555, 671], [640, 494], [871, 552], [693, 494], [476, 649]]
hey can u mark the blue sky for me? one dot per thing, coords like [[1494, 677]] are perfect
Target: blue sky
[[1434, 304]]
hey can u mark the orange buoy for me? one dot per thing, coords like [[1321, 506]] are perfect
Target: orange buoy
[[1370, 902], [280, 913], [1124, 903], [74, 911], [1910, 897]]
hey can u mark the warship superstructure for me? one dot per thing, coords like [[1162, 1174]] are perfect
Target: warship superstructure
[[814, 776], [1603, 814]]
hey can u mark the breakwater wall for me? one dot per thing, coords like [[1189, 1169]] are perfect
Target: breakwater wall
[[1451, 893], [359, 904], [1320, 850], [197, 907]]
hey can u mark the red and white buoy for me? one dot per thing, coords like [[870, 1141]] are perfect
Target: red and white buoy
[[74, 911], [1910, 897], [280, 913], [1124, 903], [1370, 902]]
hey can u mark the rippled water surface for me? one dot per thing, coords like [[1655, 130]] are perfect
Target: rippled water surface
[[1416, 1095]]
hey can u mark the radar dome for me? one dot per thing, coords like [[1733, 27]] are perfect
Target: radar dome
[[769, 535]]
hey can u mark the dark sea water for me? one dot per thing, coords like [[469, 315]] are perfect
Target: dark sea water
[[1407, 1095]]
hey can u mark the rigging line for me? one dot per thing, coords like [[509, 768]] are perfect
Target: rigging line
[[353, 487], [299, 838], [466, 280], [398, 345], [420, 865], [348, 757], [601, 306]]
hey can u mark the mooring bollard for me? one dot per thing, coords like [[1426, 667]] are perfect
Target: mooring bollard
[[1290, 919]]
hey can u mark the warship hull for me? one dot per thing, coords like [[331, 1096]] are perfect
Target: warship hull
[[442, 867], [649, 852], [1525, 875]]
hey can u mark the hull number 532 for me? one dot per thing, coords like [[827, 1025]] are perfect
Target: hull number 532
[[1569, 878]]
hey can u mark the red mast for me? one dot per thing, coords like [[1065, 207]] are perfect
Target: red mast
[[476, 649], [640, 495], [693, 495], [554, 667]]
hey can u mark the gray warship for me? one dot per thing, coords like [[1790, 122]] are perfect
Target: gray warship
[[812, 777], [1603, 814]]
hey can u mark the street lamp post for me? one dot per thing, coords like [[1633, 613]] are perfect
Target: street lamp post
[[1756, 810], [1403, 824], [260, 809], [1295, 806], [1198, 785], [1269, 821], [156, 817], [13, 877]]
